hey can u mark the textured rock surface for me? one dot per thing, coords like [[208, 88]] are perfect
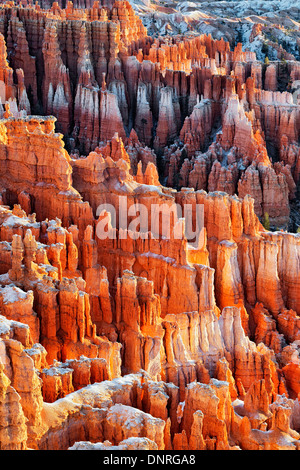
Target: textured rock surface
[[121, 333]]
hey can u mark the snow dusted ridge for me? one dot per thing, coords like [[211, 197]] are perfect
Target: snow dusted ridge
[[232, 20], [245, 8], [12, 294]]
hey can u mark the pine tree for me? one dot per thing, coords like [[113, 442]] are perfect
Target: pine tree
[[266, 221]]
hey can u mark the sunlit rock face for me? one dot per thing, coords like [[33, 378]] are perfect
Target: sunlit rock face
[[149, 254]]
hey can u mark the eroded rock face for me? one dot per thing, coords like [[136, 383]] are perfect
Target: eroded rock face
[[114, 333], [79, 330]]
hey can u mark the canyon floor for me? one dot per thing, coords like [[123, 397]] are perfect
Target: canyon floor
[[119, 120]]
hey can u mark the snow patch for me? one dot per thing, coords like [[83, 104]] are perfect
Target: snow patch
[[13, 294]]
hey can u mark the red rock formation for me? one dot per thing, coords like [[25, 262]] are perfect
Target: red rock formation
[[110, 117], [197, 127], [40, 179], [167, 123], [155, 336], [20, 57], [13, 435], [56, 85], [143, 119], [17, 305], [271, 78], [6, 74]]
